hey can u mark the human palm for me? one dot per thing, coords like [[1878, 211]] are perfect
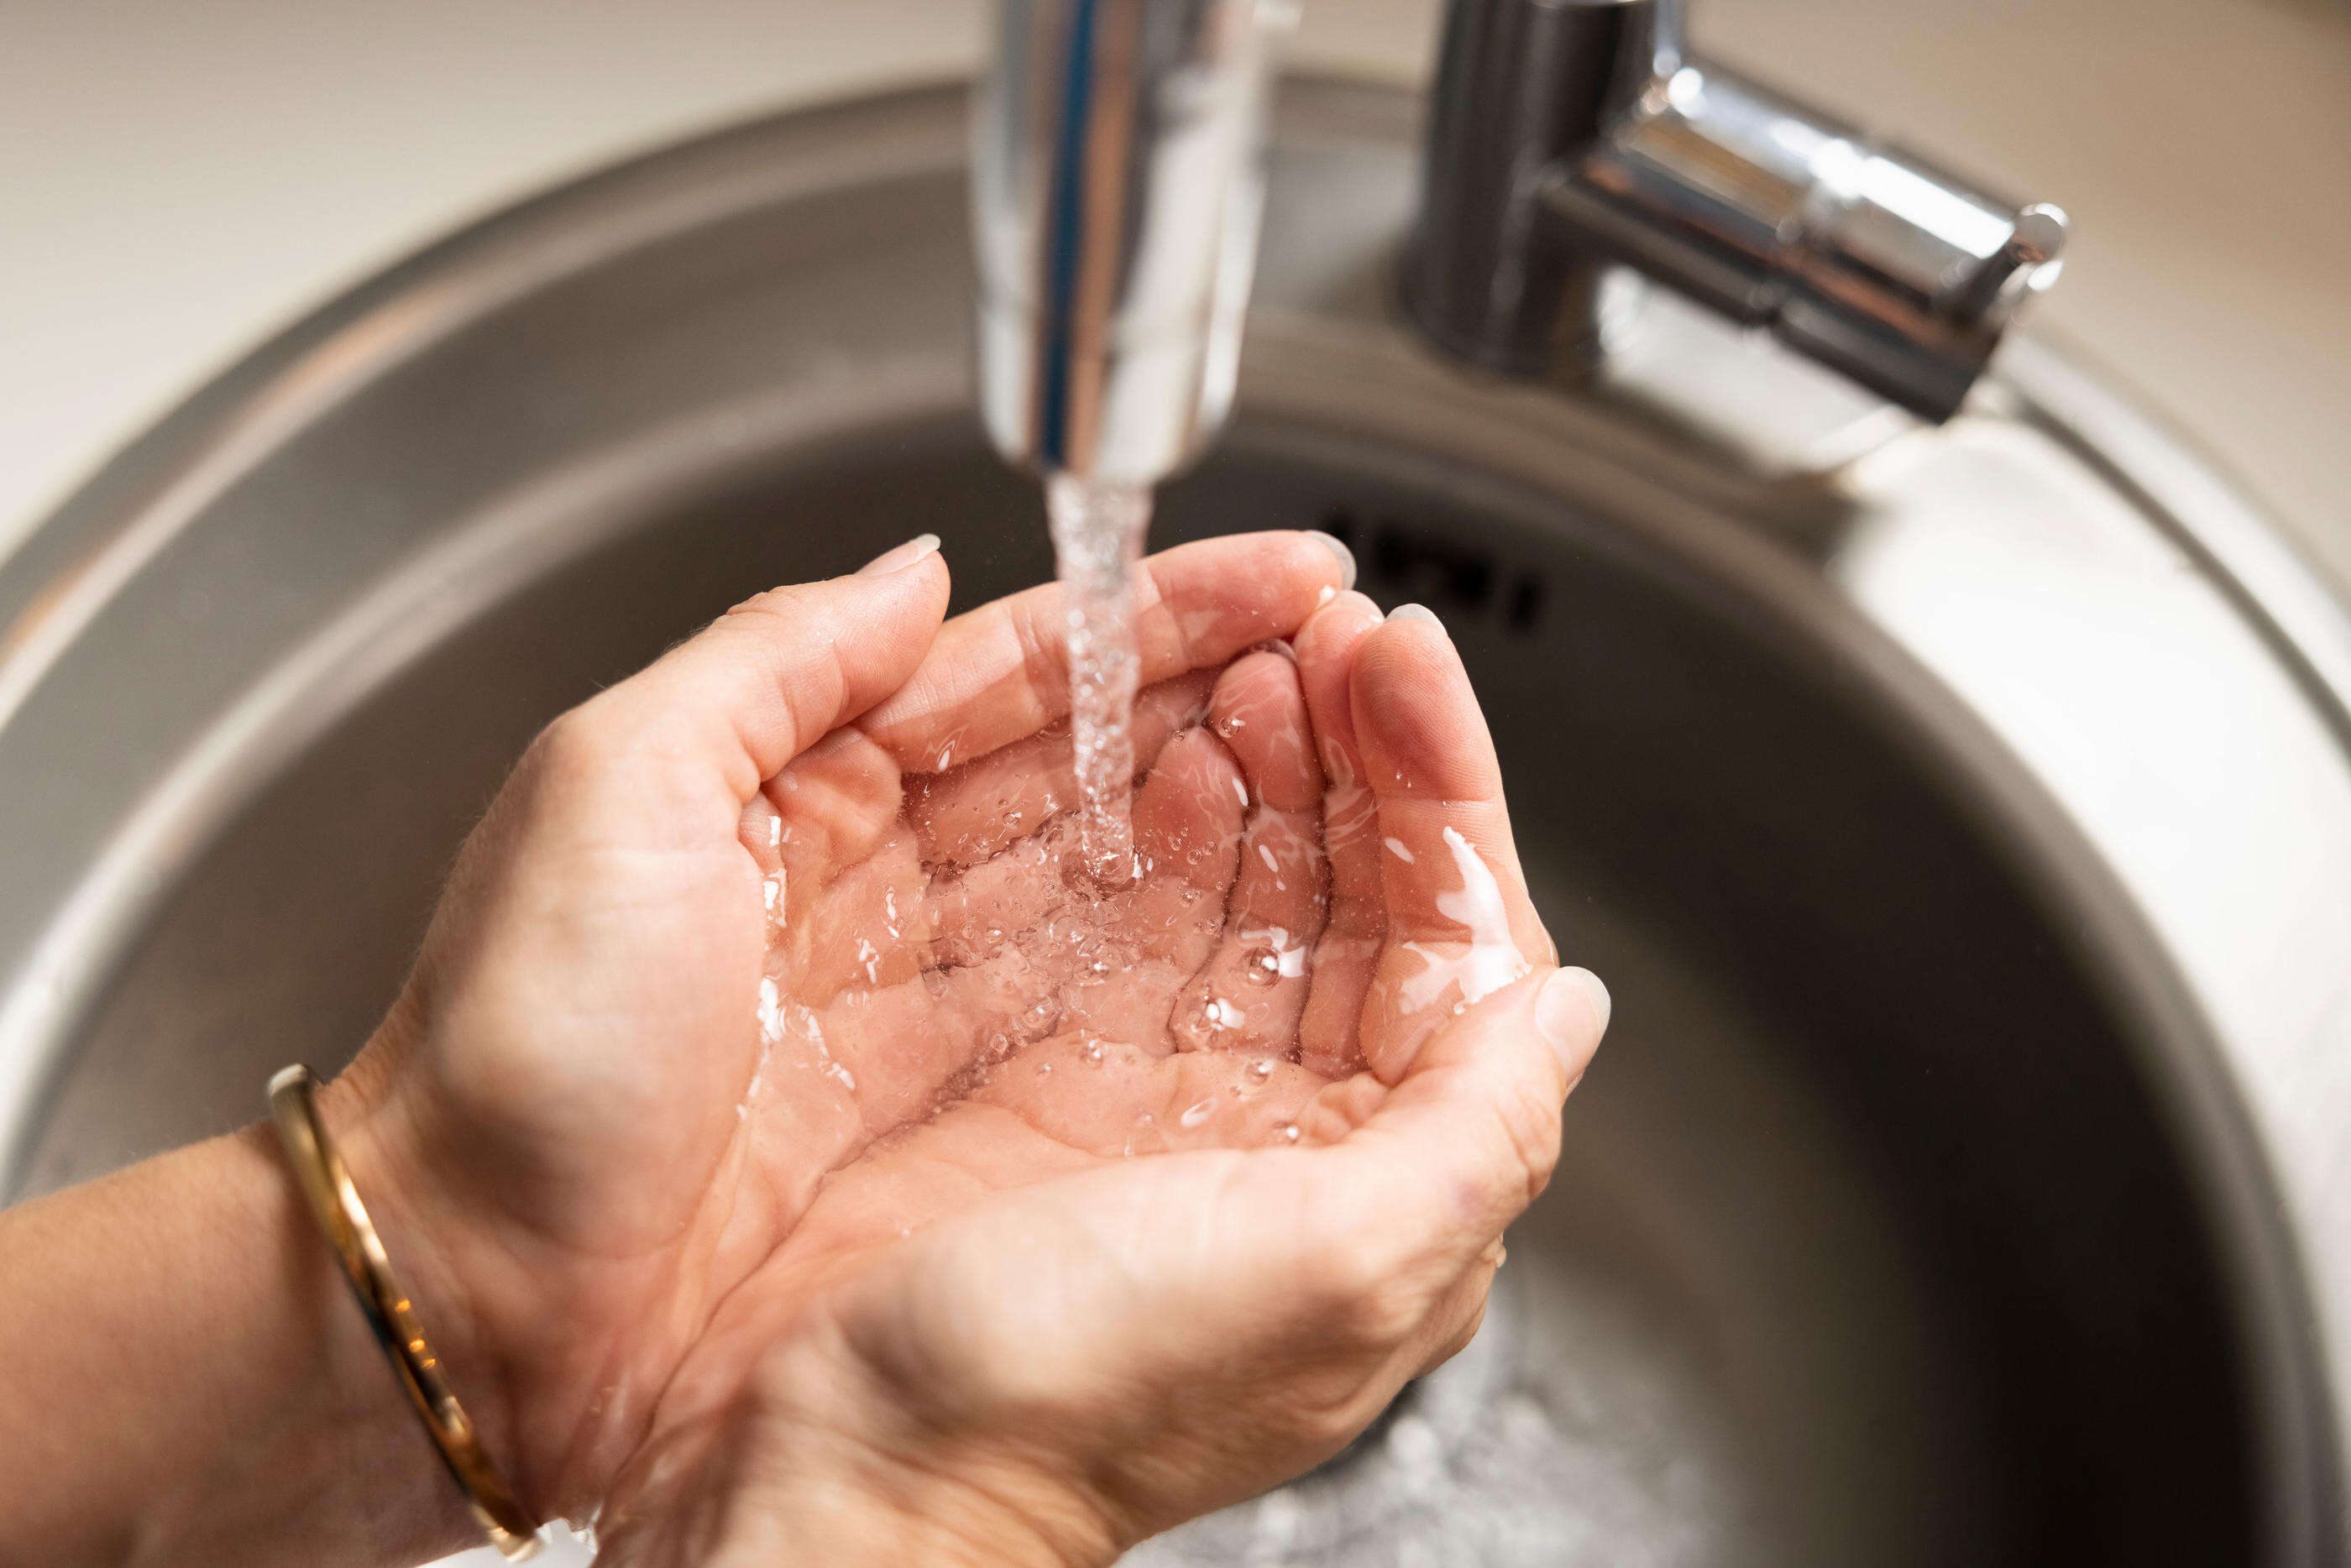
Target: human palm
[[740, 1033]]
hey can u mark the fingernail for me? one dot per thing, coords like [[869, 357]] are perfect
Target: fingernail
[[1346, 557], [899, 559], [1571, 1011], [1415, 612]]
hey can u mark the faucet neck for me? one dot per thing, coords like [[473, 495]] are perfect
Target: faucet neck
[[1116, 189], [1521, 86]]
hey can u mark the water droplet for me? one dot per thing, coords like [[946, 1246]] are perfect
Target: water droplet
[[1092, 1052], [1262, 966], [1289, 1131], [1195, 1114], [1262, 1069], [1220, 1014]]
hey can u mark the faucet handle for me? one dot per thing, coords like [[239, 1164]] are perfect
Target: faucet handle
[[2026, 263], [1863, 257], [1564, 134]]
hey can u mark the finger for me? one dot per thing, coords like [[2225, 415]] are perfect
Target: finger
[[1459, 923], [1258, 710], [1188, 820], [1454, 1152], [1000, 672], [1186, 816], [1249, 995], [1349, 948], [1102, 966], [770, 678], [869, 929], [828, 809], [1153, 936], [986, 804]]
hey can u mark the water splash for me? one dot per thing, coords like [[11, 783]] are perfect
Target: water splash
[[1098, 531]]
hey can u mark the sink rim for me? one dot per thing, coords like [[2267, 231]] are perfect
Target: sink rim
[[109, 530]]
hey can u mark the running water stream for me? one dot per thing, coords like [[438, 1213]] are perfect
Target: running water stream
[[1098, 531]]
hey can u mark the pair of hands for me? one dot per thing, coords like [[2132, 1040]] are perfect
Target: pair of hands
[[756, 1142]]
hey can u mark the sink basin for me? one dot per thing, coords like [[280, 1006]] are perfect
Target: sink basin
[[1959, 818]]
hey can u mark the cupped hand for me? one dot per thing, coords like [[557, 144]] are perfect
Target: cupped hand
[[767, 1083], [997, 1334], [546, 1123]]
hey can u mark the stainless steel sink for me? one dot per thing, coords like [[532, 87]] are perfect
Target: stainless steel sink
[[1963, 818]]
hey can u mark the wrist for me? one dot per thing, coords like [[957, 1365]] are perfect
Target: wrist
[[558, 1352], [422, 1238], [369, 1434]]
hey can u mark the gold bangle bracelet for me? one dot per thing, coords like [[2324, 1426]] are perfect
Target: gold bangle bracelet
[[335, 1203]]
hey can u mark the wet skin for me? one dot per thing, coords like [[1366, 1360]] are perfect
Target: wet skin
[[809, 1079]]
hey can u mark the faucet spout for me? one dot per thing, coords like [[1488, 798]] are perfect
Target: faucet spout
[[1567, 135], [1117, 184]]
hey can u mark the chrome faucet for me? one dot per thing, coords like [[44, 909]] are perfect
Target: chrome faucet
[[1565, 135], [1117, 186], [1117, 181]]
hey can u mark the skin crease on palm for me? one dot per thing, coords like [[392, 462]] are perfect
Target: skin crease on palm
[[845, 1174]]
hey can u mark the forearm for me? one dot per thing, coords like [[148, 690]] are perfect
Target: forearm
[[190, 1382]]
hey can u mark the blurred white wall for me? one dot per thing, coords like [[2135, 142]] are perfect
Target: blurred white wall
[[179, 177]]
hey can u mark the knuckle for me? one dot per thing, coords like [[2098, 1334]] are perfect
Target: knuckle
[[1041, 660], [578, 739], [774, 603]]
